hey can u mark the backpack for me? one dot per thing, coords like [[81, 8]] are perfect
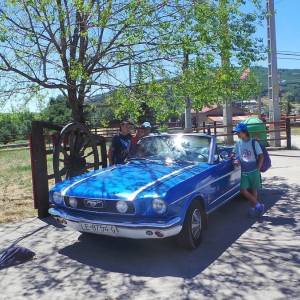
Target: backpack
[[267, 160]]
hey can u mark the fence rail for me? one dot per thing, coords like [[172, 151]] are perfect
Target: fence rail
[[295, 120], [284, 130], [215, 128]]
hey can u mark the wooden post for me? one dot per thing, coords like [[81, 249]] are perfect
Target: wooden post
[[215, 127], [197, 120], [203, 127], [288, 133], [208, 130], [39, 169], [103, 153]]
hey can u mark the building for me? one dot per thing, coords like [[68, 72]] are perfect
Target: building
[[214, 113]]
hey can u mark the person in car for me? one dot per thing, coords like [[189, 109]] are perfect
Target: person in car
[[141, 131], [250, 168], [121, 144], [146, 129], [137, 136]]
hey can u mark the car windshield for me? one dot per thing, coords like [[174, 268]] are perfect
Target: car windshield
[[169, 148]]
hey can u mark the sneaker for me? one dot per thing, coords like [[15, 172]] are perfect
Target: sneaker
[[259, 209]]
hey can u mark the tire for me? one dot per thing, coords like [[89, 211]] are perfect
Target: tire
[[193, 225]]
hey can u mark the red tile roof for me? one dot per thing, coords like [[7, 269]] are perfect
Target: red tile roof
[[234, 118]]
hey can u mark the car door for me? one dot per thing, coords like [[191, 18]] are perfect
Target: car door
[[226, 180]]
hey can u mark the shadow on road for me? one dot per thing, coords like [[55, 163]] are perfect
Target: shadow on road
[[156, 258]]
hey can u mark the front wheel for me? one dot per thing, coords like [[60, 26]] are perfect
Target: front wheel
[[191, 233]]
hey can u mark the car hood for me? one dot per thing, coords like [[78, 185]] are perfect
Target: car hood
[[124, 181]]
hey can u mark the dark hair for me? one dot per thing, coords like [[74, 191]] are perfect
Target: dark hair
[[123, 122], [246, 132]]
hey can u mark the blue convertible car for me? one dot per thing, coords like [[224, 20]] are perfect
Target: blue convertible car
[[168, 186]]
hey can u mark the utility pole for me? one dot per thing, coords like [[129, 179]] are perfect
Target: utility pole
[[259, 106], [273, 86], [188, 102]]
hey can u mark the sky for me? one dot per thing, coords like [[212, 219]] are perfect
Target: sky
[[287, 34]]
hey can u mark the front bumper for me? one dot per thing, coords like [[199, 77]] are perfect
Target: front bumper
[[117, 229]]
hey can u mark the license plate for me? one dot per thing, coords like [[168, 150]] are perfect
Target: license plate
[[98, 228]]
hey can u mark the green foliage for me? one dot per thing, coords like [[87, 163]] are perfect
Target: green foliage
[[227, 31], [215, 44], [289, 82], [152, 101], [90, 43], [57, 111], [15, 126], [199, 83], [79, 46]]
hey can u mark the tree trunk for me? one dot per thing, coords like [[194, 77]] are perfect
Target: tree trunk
[[188, 101], [76, 106], [188, 115], [225, 61], [227, 121], [77, 113]]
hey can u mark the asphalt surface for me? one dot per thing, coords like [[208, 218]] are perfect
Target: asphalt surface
[[239, 258], [296, 141]]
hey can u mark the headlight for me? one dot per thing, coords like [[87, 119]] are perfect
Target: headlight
[[57, 198], [73, 202], [122, 207], [159, 205]]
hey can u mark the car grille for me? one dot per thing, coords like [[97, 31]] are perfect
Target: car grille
[[99, 205]]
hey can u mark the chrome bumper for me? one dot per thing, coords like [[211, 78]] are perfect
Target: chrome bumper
[[117, 229]]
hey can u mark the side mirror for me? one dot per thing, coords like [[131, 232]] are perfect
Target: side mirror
[[224, 155]]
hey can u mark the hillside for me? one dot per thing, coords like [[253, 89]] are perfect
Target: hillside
[[289, 82]]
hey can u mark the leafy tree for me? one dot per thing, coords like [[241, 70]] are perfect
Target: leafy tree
[[152, 101], [79, 46], [15, 125], [57, 111], [218, 37]]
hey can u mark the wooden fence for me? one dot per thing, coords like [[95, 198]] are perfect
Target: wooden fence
[[283, 127]]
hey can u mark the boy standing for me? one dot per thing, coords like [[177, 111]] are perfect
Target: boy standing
[[251, 164], [120, 144]]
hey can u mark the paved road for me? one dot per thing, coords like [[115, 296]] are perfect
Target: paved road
[[296, 141], [239, 259]]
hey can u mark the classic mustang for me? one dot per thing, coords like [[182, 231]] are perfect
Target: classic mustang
[[168, 186]]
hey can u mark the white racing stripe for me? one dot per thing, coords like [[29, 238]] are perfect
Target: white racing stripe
[[143, 188], [134, 194], [64, 191], [203, 186]]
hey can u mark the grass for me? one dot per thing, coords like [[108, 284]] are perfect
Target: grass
[[15, 142], [16, 200]]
